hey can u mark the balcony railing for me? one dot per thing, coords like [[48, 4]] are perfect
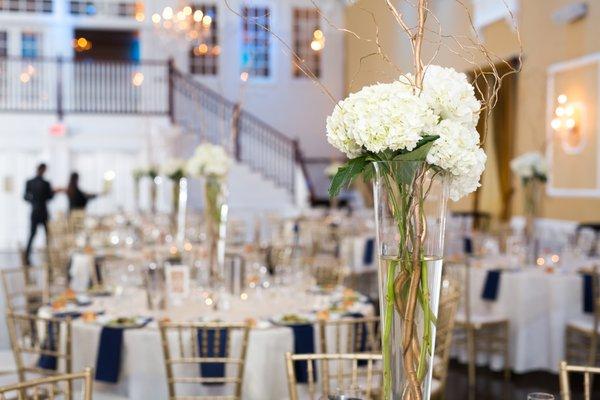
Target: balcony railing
[[71, 86], [149, 88]]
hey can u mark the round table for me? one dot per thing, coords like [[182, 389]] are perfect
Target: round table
[[538, 302], [143, 373]]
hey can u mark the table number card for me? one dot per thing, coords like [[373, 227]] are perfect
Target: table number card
[[177, 281]]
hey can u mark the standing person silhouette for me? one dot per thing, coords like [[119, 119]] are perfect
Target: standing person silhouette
[[38, 192], [77, 199]]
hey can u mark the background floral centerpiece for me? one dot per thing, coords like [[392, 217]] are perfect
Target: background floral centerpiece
[[417, 138], [212, 163], [532, 170], [174, 169]]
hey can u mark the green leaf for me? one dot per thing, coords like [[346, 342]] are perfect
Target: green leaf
[[419, 153], [346, 173]]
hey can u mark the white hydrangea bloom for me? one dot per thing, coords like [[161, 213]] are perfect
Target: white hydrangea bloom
[[457, 151], [209, 160], [395, 116], [379, 117], [528, 165], [450, 95], [173, 166]]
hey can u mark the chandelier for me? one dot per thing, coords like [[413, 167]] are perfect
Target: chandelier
[[188, 23]]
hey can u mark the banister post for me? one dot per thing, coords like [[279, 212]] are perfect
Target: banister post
[[59, 88], [171, 91], [235, 130]]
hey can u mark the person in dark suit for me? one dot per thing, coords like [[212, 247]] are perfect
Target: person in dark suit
[[77, 199], [38, 192]]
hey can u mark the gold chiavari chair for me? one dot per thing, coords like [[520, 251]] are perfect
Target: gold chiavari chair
[[41, 346], [76, 221], [189, 345], [25, 288], [476, 330], [341, 378], [350, 335], [450, 298], [581, 336], [588, 373], [51, 388]]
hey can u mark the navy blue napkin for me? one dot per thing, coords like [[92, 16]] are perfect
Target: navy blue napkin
[[368, 254], [47, 361], [491, 285], [108, 361], [360, 336], [213, 345], [588, 293], [304, 343], [468, 246]]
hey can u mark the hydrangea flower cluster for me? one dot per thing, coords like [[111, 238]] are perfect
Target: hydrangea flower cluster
[[529, 166], [396, 116], [209, 160]]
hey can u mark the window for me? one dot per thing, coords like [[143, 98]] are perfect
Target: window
[[256, 41], [306, 31], [108, 8], [3, 44], [31, 44], [30, 6], [204, 54]]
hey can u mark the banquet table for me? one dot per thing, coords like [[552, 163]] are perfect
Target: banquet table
[[538, 303], [143, 375]]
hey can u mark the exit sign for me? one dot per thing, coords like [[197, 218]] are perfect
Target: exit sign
[[58, 130]]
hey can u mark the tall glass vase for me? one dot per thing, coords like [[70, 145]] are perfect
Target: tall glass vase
[[410, 211], [215, 214], [153, 195], [176, 189], [532, 190]]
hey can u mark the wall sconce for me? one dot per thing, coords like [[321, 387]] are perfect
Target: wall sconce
[[567, 125]]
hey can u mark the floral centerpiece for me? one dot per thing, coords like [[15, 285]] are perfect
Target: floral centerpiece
[[416, 137], [174, 169], [139, 173], [212, 163], [532, 169]]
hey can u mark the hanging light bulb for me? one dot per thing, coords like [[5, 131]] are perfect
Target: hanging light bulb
[[198, 15]]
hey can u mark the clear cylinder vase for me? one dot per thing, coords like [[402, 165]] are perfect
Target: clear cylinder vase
[[176, 189], [153, 195], [532, 191], [215, 214], [410, 210]]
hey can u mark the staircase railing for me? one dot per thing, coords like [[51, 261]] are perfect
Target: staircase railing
[[55, 85]]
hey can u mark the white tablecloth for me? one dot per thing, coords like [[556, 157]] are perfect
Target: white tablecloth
[[143, 373], [538, 305]]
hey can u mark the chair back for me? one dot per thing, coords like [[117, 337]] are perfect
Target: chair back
[[350, 335], [327, 270], [207, 349], [336, 371], [588, 373], [450, 298], [25, 288], [63, 387], [41, 346]]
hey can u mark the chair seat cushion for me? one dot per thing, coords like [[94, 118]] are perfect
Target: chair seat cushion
[[480, 319], [583, 323]]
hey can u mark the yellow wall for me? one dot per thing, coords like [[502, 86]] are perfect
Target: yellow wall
[[544, 43]]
